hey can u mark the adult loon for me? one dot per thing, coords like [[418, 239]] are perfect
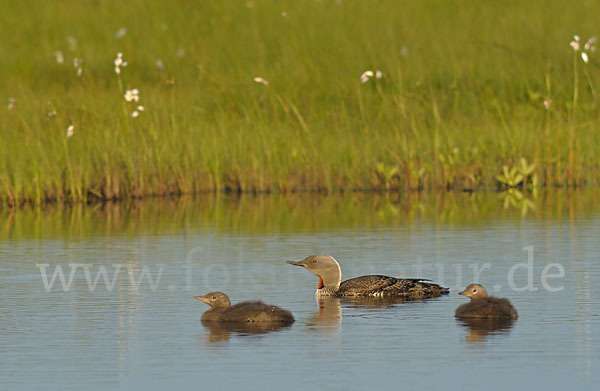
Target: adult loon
[[483, 306], [330, 276], [246, 312]]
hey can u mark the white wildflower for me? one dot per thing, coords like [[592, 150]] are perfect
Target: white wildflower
[[575, 43], [159, 64], [11, 103], [52, 112], [260, 80], [378, 74], [59, 57], [181, 52], [164, 27], [590, 45], [547, 104], [70, 131], [366, 75], [77, 64], [404, 51], [72, 43], [283, 13], [121, 33], [137, 111], [132, 95], [119, 62]]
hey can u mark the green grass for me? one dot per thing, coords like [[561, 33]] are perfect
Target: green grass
[[462, 96]]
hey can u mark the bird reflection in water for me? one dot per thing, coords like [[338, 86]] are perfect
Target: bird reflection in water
[[328, 317], [380, 301], [219, 332], [479, 329]]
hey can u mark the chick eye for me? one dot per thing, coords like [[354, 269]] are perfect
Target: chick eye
[[214, 297], [474, 290]]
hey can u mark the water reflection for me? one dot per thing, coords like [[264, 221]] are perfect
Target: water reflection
[[479, 329], [514, 198], [297, 213], [379, 302], [222, 331], [328, 317]]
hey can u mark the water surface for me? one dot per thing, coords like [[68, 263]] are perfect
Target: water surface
[[148, 335]]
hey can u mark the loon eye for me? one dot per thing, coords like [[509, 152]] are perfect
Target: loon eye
[[314, 261]]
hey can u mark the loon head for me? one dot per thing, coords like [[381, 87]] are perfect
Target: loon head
[[325, 267], [215, 299], [474, 292]]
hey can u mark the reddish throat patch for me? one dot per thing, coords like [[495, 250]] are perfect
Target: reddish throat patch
[[321, 285]]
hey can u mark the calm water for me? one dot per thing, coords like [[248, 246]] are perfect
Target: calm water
[[148, 335]]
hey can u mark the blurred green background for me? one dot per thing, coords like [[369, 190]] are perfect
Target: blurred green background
[[466, 89]]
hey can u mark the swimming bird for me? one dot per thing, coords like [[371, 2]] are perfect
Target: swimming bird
[[483, 306], [330, 277], [246, 312]]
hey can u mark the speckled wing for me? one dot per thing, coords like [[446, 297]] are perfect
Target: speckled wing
[[376, 285]]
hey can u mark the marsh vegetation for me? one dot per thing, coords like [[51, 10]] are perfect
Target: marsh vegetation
[[273, 96]]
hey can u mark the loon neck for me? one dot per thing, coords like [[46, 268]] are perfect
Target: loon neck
[[330, 276]]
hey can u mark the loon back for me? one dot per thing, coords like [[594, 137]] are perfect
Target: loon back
[[487, 308], [257, 311], [377, 285]]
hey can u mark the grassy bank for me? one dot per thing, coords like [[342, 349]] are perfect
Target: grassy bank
[[464, 93]]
